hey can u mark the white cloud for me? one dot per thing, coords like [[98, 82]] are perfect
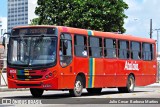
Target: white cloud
[[139, 14]]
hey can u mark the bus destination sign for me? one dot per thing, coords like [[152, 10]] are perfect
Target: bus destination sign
[[33, 31]]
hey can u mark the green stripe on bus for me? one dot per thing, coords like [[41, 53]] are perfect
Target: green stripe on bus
[[90, 66]]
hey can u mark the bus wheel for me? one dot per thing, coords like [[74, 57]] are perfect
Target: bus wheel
[[130, 85], [94, 90], [36, 92], [78, 87]]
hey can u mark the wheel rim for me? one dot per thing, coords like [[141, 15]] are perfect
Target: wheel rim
[[78, 87], [131, 83]]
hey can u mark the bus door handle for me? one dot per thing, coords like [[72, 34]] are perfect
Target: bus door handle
[[70, 68]]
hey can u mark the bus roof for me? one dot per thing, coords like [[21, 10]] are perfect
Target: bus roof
[[96, 33]]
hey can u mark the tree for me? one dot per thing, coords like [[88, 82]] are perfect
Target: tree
[[35, 21], [103, 15]]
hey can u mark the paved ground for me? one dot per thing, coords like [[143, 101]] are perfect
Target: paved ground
[[5, 88], [62, 98]]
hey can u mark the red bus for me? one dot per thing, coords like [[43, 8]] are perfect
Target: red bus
[[64, 58]]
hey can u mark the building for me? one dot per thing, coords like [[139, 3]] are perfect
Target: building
[[20, 12], [3, 27]]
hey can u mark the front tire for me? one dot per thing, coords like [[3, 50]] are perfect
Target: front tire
[[78, 87], [130, 85], [36, 92]]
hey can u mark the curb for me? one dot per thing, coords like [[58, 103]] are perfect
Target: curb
[[3, 89], [157, 84]]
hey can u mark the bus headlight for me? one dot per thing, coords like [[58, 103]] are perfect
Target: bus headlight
[[50, 74], [47, 76]]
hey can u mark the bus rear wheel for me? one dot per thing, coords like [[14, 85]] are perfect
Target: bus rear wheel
[[36, 92], [78, 87], [130, 85], [94, 90]]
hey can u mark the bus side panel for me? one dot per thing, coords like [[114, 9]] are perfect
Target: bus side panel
[[151, 72], [110, 68], [138, 73], [148, 75], [102, 71], [67, 81], [98, 77], [81, 65], [121, 74], [140, 77]]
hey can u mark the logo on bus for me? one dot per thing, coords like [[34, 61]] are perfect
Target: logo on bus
[[131, 66], [12, 71]]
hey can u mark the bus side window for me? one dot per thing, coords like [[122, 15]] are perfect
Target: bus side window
[[95, 47], [80, 46], [65, 50], [123, 49], [147, 51], [135, 50], [110, 48]]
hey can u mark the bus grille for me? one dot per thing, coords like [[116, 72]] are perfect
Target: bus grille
[[28, 77], [28, 84]]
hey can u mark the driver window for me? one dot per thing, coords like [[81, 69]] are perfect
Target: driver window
[[65, 50]]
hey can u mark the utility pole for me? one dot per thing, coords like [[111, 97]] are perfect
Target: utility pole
[[157, 52], [151, 28], [157, 39]]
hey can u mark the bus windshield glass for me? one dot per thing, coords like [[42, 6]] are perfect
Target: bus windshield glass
[[32, 50]]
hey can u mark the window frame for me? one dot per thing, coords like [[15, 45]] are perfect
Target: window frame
[[85, 36], [128, 50], [114, 39], [102, 45], [136, 50], [152, 51]]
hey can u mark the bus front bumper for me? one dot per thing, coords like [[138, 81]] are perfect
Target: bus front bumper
[[47, 84]]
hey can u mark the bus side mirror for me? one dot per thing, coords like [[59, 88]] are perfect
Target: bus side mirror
[[3, 42], [5, 38]]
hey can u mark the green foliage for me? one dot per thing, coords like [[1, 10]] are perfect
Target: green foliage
[[35, 21], [103, 15]]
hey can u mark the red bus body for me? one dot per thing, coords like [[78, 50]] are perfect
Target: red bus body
[[98, 72]]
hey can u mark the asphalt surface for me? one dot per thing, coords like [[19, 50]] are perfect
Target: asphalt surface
[[108, 97], [5, 88]]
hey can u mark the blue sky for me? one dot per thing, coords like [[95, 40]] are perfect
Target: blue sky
[[3, 8], [139, 14]]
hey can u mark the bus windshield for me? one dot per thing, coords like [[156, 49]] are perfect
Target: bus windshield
[[32, 50]]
